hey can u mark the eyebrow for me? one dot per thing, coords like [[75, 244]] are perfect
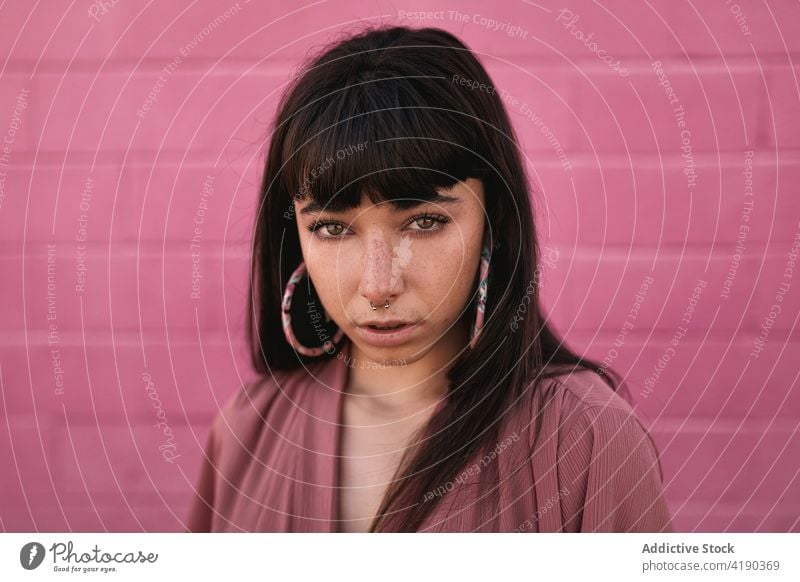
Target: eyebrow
[[315, 207]]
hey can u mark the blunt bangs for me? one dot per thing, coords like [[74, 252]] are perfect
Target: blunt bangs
[[378, 138]]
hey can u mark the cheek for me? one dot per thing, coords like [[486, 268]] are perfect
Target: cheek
[[447, 276], [333, 282], [323, 275]]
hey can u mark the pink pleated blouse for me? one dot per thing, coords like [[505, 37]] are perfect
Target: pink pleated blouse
[[271, 462]]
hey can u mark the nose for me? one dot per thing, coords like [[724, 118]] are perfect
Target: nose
[[384, 265]]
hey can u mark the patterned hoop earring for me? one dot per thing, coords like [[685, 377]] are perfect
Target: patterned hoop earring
[[483, 286], [286, 308]]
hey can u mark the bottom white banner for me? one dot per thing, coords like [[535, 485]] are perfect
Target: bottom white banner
[[401, 557]]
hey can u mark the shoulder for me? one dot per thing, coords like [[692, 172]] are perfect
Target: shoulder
[[584, 419], [606, 458], [242, 415], [584, 389], [246, 400], [287, 403], [574, 397]]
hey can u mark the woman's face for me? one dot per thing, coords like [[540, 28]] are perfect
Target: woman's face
[[423, 260]]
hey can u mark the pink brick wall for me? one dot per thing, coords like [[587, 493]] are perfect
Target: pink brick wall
[[78, 445]]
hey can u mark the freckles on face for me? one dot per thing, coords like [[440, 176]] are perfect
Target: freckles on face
[[425, 267], [443, 274]]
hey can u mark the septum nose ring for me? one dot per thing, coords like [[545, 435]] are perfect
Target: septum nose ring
[[385, 305]]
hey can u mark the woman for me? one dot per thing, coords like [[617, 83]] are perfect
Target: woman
[[394, 195]]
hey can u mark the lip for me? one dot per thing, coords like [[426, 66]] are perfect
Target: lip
[[386, 322], [388, 338]]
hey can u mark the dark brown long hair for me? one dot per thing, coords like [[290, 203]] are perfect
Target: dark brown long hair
[[396, 91]]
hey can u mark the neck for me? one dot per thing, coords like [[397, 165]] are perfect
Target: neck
[[392, 386]]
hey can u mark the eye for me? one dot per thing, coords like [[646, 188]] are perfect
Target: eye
[[427, 223], [315, 227], [434, 222]]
